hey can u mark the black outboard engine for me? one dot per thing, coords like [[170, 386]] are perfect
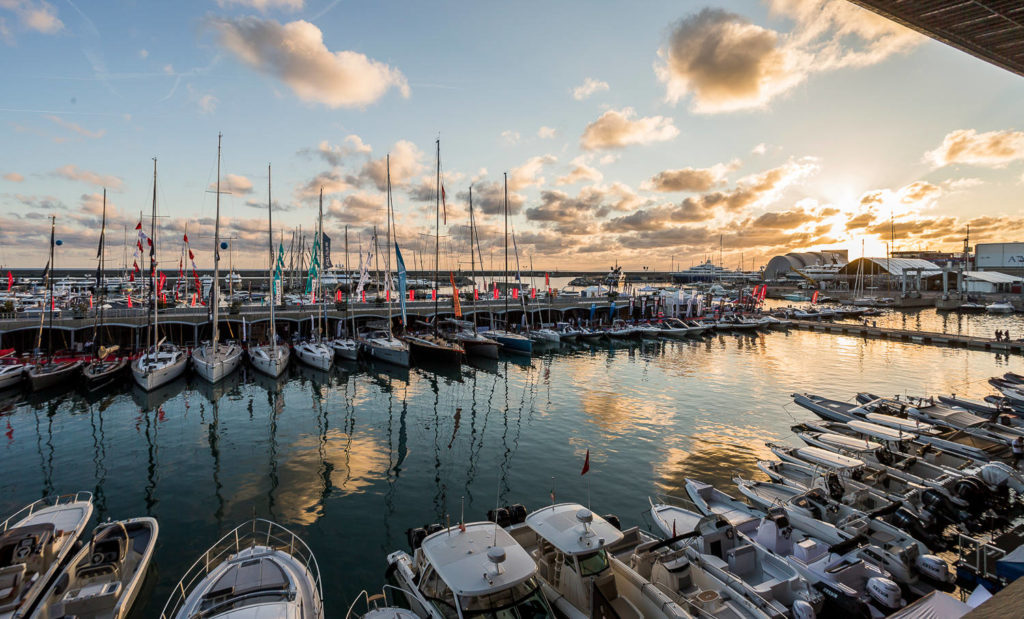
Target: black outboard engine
[[883, 455], [415, 536], [941, 507], [613, 520], [904, 519], [972, 490], [517, 513], [834, 485], [500, 516]]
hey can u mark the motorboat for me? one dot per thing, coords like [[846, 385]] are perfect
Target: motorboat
[[315, 353], [833, 410], [104, 578], [510, 342], [345, 348], [578, 570], [589, 335], [549, 336], [619, 330], [159, 365], [807, 477], [52, 373], [732, 322], [907, 559], [429, 348], [260, 569], [11, 375], [377, 606], [270, 359], [476, 345], [710, 500], [1000, 307], [469, 570], [381, 345], [214, 361], [34, 542], [566, 332], [766, 579]]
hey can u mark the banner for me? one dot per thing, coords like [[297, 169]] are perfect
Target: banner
[[611, 311], [327, 251], [593, 311], [401, 283], [455, 297]]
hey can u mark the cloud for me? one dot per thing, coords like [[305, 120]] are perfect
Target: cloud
[[588, 87], [546, 133], [295, 53], [45, 203], [360, 207], [862, 220], [559, 207], [528, 174], [277, 206], [757, 189], [265, 5], [76, 127], [618, 129], [907, 199], [726, 63], [692, 179], [233, 183], [36, 16], [330, 181], [580, 172], [143, 53], [207, 103], [73, 173], [14, 177], [510, 137], [489, 198], [336, 155], [962, 184], [92, 205], [760, 149], [405, 163], [992, 149]]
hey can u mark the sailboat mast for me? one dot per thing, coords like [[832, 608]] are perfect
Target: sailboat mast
[[154, 332], [472, 256], [348, 280], [53, 269], [215, 287], [387, 247], [320, 268], [506, 250], [437, 233], [270, 244], [100, 288]]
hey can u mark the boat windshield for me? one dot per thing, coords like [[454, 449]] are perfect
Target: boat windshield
[[593, 564], [523, 601]]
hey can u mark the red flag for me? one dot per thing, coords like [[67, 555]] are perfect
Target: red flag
[[160, 282], [181, 270], [139, 225], [533, 293], [10, 280], [337, 295], [412, 295], [476, 294], [90, 300], [764, 292], [364, 296], [455, 297], [186, 237], [387, 295], [586, 464], [131, 276], [547, 280], [139, 244], [191, 256], [495, 292], [433, 295], [515, 293], [129, 300], [814, 297]]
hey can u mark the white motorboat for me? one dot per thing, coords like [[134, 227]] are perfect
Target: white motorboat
[[756, 574], [33, 544], [314, 353], [214, 361], [381, 345], [567, 332], [470, 570], [345, 348], [104, 578], [159, 366], [11, 375], [736, 323], [1000, 307], [545, 335], [571, 546], [269, 359], [258, 570]]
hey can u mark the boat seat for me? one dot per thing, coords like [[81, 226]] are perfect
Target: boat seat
[[742, 559], [11, 578], [17, 545], [248, 577]]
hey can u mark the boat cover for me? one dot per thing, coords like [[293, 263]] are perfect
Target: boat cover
[[935, 605], [1011, 566]]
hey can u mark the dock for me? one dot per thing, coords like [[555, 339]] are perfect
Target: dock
[[931, 338]]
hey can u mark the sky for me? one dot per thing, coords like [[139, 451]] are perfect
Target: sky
[[652, 135]]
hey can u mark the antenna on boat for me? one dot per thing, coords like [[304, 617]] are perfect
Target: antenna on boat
[[497, 502]]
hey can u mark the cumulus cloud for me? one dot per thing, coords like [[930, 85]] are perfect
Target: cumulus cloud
[[760, 149], [330, 181], [359, 207], [36, 16], [580, 172], [726, 63], [73, 173], [546, 133], [335, 155], [265, 5], [295, 53], [620, 128], [691, 179], [207, 103], [277, 205], [489, 198], [962, 184], [529, 173], [76, 127], [233, 183], [754, 190], [510, 137], [406, 162], [588, 87], [991, 149], [44, 203], [14, 177], [909, 198]]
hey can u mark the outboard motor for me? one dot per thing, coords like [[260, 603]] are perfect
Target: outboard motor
[[972, 490], [999, 474], [613, 520], [802, 609], [517, 513], [500, 516], [940, 505], [885, 593], [834, 486], [934, 568], [415, 536]]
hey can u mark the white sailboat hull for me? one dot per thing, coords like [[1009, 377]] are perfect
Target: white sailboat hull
[[315, 354], [264, 359], [150, 372], [345, 349], [11, 375], [213, 364]]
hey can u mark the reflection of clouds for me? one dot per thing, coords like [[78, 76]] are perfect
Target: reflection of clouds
[[315, 467], [620, 412], [714, 455]]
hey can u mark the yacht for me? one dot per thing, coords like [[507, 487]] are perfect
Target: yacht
[[1000, 307], [315, 353], [381, 345], [432, 348], [33, 544], [707, 272], [11, 375], [159, 365], [345, 348], [52, 373], [470, 570], [545, 335], [476, 345], [104, 578], [271, 359], [260, 569], [510, 342]]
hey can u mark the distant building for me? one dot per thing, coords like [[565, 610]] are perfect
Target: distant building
[[940, 258], [891, 274], [818, 265], [991, 282], [1002, 257]]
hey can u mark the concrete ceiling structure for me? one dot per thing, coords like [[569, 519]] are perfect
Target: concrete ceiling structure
[[992, 30]]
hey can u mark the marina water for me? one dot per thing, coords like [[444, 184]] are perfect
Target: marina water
[[352, 458]]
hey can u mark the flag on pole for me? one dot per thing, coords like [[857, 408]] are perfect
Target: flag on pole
[[402, 276], [586, 464], [10, 280], [455, 296]]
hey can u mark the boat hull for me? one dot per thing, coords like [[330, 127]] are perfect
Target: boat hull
[[149, 378], [513, 343], [12, 377], [99, 374], [318, 356], [213, 365], [427, 352], [480, 348], [263, 359], [45, 377], [345, 349]]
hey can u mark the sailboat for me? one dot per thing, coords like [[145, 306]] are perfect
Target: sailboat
[[346, 347], [50, 373], [512, 342], [431, 347], [464, 331], [103, 369], [315, 351], [161, 363], [381, 343], [270, 358], [215, 360]]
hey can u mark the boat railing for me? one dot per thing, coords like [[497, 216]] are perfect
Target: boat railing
[[49, 501], [373, 602], [978, 556], [256, 532]]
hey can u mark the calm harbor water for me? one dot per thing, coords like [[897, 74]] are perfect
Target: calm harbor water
[[352, 458]]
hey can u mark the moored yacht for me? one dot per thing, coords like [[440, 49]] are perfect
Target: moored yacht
[[260, 569], [476, 345], [345, 348], [11, 374], [159, 365], [381, 345], [271, 359], [52, 373], [510, 342], [315, 353]]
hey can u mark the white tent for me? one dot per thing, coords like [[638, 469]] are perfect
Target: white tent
[[935, 605]]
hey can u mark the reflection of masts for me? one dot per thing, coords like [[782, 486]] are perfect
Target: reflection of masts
[[441, 495], [46, 469], [326, 468], [213, 440], [99, 452], [273, 396], [152, 453]]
